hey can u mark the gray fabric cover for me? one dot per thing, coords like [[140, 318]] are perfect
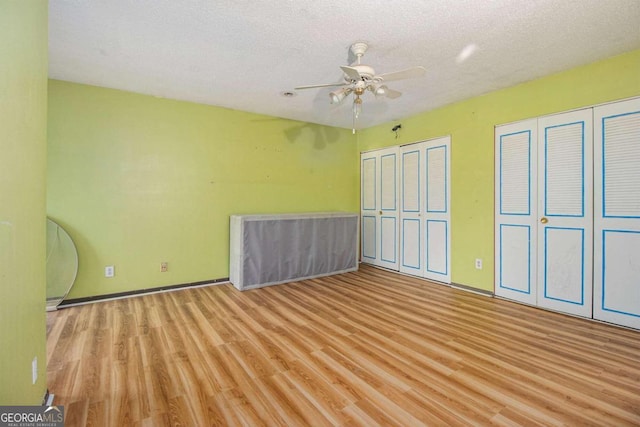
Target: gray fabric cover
[[271, 249]]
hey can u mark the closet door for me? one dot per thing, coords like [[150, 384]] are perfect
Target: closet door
[[379, 207], [425, 216], [411, 205], [565, 212], [369, 167], [437, 212], [516, 211], [617, 213]]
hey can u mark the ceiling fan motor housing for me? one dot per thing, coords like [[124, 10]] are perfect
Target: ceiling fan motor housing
[[366, 73]]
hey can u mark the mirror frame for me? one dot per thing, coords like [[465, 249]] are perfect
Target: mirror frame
[[52, 302]]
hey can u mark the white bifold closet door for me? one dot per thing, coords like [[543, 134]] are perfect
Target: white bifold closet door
[[617, 213], [544, 212], [568, 218], [565, 212], [425, 214], [516, 207], [380, 207]]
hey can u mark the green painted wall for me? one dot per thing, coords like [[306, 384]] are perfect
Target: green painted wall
[[23, 116], [138, 180], [471, 126]]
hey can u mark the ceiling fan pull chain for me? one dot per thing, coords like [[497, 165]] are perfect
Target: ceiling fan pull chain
[[357, 106], [353, 126]]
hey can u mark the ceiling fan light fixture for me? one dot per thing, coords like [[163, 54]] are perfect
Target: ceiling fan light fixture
[[338, 95], [380, 91]]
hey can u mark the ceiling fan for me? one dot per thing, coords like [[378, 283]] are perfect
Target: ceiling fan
[[359, 78]]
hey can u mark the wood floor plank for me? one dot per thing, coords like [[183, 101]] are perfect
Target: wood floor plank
[[364, 348], [97, 415], [293, 409]]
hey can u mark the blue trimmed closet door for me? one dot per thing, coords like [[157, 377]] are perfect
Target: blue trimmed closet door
[[425, 214], [617, 213], [565, 212], [437, 209], [516, 211], [369, 169], [411, 205], [380, 207]]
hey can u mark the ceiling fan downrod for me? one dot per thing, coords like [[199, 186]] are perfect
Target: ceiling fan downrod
[[358, 49]]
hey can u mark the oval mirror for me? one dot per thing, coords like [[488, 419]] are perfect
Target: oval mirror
[[62, 264]]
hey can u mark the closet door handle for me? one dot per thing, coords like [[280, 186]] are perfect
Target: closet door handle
[[544, 220]]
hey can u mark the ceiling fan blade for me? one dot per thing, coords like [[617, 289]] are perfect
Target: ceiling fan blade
[[393, 94], [409, 73], [322, 85], [351, 72]]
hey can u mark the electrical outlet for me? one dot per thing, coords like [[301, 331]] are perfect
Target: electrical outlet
[[34, 370], [109, 271], [164, 267], [478, 264]]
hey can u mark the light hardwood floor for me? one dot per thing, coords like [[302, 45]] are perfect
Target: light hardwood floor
[[363, 348]]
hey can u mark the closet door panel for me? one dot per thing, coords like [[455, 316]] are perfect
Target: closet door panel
[[514, 269], [618, 296], [369, 200], [437, 180], [389, 182], [389, 208], [412, 231], [388, 241], [565, 228], [437, 212], [515, 210], [564, 276], [617, 213], [437, 253], [411, 246], [368, 206], [369, 245], [410, 180]]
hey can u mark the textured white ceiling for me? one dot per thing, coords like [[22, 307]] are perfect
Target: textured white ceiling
[[242, 54]]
